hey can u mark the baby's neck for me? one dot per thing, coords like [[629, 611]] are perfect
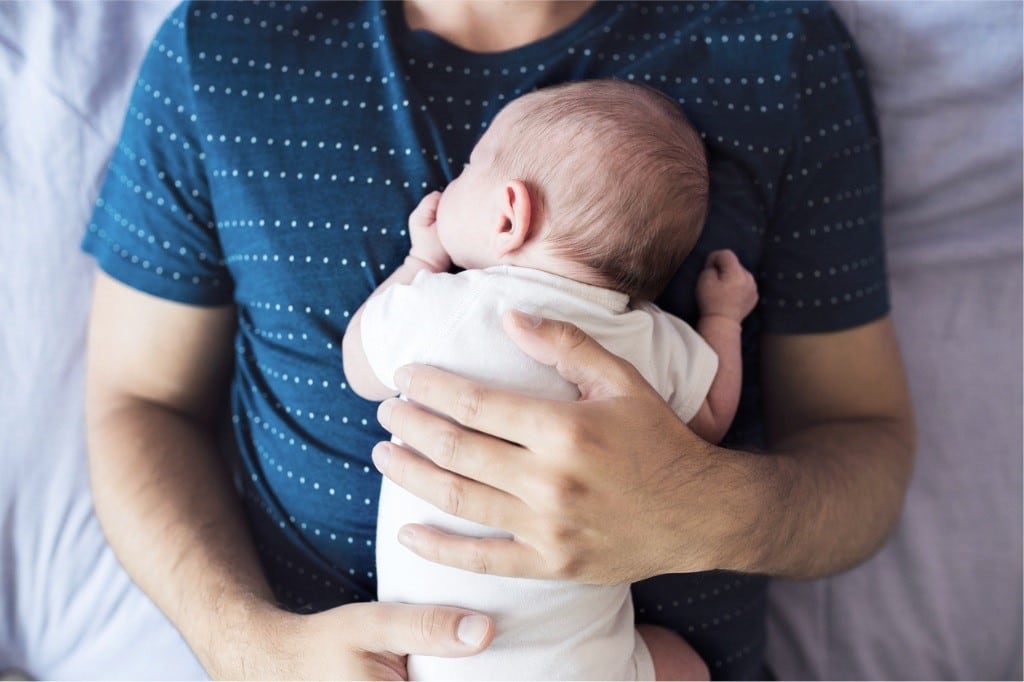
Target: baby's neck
[[554, 264]]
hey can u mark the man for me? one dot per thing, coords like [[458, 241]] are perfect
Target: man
[[266, 153]]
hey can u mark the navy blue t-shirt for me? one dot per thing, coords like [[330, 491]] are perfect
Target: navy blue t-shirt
[[271, 155]]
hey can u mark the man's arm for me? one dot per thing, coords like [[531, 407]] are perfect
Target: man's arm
[[841, 428], [156, 378], [614, 488]]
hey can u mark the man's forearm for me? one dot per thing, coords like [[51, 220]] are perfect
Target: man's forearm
[[822, 501], [168, 509]]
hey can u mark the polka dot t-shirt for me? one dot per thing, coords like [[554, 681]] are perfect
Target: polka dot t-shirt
[[272, 152]]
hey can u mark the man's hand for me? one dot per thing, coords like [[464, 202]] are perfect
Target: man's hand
[[426, 245], [367, 641], [612, 488], [170, 511]]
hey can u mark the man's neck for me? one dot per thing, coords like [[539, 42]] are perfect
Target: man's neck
[[492, 25]]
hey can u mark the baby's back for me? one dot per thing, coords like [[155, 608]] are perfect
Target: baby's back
[[545, 629]]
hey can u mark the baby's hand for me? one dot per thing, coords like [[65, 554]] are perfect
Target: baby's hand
[[426, 246], [725, 287]]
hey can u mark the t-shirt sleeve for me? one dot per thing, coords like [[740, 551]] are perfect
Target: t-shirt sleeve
[[407, 322], [691, 361], [823, 267], [153, 227]]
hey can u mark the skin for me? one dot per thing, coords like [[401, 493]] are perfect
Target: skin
[[551, 473], [167, 506], [156, 377], [487, 220], [837, 411], [483, 219], [726, 294], [493, 26]]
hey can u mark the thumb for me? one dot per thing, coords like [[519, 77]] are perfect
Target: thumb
[[425, 630], [575, 355]]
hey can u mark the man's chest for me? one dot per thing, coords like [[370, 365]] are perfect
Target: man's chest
[[313, 178]]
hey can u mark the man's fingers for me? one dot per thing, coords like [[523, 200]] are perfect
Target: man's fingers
[[424, 630], [456, 448], [449, 492], [505, 414], [577, 357], [491, 556]]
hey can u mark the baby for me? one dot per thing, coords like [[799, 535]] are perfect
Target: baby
[[579, 203]]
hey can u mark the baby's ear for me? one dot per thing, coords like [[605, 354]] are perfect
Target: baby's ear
[[515, 206]]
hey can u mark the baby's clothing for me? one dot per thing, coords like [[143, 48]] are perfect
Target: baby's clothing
[[545, 629]]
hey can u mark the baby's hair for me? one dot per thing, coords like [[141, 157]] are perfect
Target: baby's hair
[[618, 178]]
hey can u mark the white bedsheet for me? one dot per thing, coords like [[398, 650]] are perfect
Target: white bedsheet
[[67, 610], [943, 599]]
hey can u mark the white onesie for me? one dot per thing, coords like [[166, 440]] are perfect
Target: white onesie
[[545, 629]]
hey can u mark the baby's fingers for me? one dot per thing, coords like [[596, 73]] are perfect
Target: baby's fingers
[[430, 201], [722, 260], [426, 211]]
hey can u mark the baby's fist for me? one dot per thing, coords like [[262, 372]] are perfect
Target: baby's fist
[[426, 245], [725, 287]]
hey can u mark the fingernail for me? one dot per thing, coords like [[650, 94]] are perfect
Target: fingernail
[[402, 376], [384, 413], [407, 537], [472, 630], [525, 320], [380, 455]]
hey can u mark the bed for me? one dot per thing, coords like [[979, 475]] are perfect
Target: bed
[[942, 599]]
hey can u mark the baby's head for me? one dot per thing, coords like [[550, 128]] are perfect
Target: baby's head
[[603, 181]]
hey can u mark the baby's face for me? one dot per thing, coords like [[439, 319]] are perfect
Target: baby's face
[[469, 205]]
